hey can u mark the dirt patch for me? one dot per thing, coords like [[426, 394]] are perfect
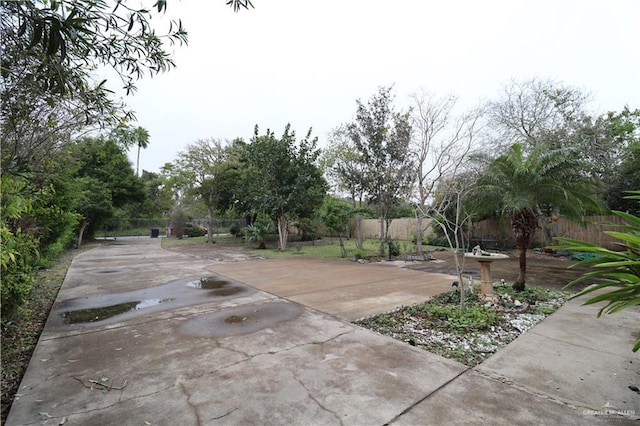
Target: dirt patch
[[543, 270], [218, 252]]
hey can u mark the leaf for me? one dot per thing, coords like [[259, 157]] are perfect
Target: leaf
[[22, 29], [36, 36]]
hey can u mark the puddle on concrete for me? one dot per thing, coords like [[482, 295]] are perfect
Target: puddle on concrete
[[109, 271], [209, 283], [229, 291], [109, 308], [243, 319], [105, 312]]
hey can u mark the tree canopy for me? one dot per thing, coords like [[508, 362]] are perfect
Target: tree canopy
[[528, 187], [381, 138], [283, 179]]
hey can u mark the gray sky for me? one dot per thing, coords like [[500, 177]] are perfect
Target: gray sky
[[306, 62]]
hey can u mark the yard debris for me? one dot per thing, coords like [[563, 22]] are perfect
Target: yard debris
[[100, 384]]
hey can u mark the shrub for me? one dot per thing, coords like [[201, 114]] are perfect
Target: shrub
[[195, 231], [259, 231], [360, 254], [394, 248], [236, 230], [616, 271]]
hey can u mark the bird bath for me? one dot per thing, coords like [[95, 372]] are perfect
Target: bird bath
[[485, 259]]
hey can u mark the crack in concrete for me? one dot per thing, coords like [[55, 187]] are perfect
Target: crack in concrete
[[429, 395], [195, 408], [251, 356], [577, 345], [540, 394], [224, 415], [107, 407], [314, 399]]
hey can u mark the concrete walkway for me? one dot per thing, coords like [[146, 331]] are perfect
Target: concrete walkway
[[267, 342]]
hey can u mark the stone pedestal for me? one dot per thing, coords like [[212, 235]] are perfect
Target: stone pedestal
[[486, 285]]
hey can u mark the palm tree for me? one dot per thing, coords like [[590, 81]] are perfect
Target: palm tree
[[141, 137], [527, 186]]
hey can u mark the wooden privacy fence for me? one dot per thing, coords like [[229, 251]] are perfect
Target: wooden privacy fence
[[399, 229], [499, 231], [593, 232]]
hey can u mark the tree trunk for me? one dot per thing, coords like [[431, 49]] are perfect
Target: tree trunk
[[360, 239], [283, 232], [419, 231], [343, 251], [210, 226], [84, 225], [382, 235], [523, 224], [138, 162], [519, 285]]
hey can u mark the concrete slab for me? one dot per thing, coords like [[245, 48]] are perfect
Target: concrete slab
[[576, 358], [473, 399], [348, 290], [216, 361], [268, 355]]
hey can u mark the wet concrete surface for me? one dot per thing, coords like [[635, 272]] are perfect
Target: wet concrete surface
[[273, 355], [103, 309]]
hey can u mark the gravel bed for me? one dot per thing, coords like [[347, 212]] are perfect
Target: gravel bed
[[418, 326]]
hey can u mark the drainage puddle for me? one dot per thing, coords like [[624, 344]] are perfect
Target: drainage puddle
[[99, 314], [110, 308], [241, 320]]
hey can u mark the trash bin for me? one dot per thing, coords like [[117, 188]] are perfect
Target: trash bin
[[155, 232]]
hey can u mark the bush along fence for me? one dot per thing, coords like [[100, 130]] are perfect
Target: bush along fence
[[141, 227]]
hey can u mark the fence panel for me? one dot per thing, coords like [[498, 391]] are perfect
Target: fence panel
[[593, 232], [498, 231]]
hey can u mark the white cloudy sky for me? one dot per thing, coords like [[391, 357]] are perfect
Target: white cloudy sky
[[306, 62]]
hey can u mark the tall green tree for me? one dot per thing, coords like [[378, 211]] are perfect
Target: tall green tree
[[209, 174], [382, 137], [528, 187], [283, 179], [335, 215], [345, 171], [106, 182]]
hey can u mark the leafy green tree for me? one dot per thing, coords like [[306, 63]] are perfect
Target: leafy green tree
[[611, 143], [19, 249], [110, 182], [158, 201], [616, 271], [345, 172], [178, 220], [129, 137], [381, 137], [282, 178], [526, 188], [208, 173], [335, 215]]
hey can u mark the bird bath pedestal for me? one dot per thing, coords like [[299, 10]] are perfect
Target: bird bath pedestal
[[486, 285]]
